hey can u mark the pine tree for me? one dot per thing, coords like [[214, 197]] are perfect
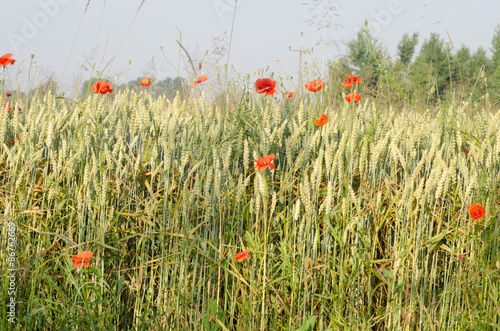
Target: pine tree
[[434, 54], [478, 61], [461, 66], [495, 66], [495, 48], [359, 51], [360, 55], [406, 48]]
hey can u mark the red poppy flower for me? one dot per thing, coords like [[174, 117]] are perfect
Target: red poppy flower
[[14, 140], [322, 120], [265, 86], [315, 85], [264, 162], [201, 78], [7, 103], [351, 80], [5, 60], [289, 95], [199, 66], [8, 94], [102, 87], [241, 256], [476, 211], [146, 82], [82, 259], [466, 151], [353, 96]]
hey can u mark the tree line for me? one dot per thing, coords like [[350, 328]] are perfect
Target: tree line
[[168, 86], [438, 73]]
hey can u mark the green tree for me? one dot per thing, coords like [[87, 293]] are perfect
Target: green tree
[[436, 75], [495, 48], [406, 48], [495, 66], [170, 84], [359, 51], [480, 60], [495, 86], [359, 54], [422, 81], [461, 67]]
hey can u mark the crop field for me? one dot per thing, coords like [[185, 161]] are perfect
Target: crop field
[[226, 188], [250, 213]]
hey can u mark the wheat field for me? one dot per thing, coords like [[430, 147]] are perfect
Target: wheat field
[[363, 224]]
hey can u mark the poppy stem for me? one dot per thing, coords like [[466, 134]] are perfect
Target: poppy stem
[[351, 103], [264, 258]]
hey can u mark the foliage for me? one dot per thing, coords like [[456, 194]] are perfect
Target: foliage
[[438, 73], [406, 48]]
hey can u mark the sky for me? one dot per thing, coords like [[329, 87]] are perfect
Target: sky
[[67, 36]]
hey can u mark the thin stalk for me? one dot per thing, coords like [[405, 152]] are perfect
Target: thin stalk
[[286, 75], [97, 43], [73, 46], [230, 40], [123, 39], [29, 77], [323, 58], [176, 70]]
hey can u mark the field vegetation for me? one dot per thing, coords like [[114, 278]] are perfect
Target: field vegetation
[[242, 208]]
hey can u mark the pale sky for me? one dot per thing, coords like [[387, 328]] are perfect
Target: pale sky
[[263, 31]]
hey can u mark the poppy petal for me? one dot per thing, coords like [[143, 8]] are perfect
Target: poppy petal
[[353, 96], [314, 85], [241, 256], [265, 85]]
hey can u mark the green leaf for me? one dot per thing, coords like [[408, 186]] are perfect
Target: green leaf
[[400, 286], [308, 325], [212, 305], [103, 245], [388, 274]]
